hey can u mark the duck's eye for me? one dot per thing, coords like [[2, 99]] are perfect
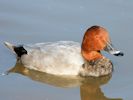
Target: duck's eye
[[99, 51]]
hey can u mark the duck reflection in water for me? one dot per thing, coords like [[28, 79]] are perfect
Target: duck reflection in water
[[89, 87]]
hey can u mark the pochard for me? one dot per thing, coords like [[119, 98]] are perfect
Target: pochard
[[68, 57]]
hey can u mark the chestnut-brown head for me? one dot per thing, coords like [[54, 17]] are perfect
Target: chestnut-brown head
[[95, 39]]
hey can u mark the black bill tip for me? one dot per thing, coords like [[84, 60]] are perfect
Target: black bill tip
[[119, 54]]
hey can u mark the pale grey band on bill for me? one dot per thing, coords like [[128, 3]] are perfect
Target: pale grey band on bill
[[110, 49]]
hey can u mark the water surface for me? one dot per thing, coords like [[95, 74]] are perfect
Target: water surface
[[52, 20]]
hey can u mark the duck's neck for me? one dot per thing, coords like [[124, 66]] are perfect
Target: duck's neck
[[88, 52], [91, 55]]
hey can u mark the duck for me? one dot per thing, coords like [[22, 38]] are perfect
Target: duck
[[68, 57]]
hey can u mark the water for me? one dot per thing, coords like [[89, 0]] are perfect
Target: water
[[51, 20]]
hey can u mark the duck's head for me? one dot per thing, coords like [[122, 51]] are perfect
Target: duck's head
[[95, 39]]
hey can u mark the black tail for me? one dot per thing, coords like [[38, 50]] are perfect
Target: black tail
[[20, 51]]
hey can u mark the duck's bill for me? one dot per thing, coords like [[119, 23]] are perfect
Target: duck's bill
[[110, 49]]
